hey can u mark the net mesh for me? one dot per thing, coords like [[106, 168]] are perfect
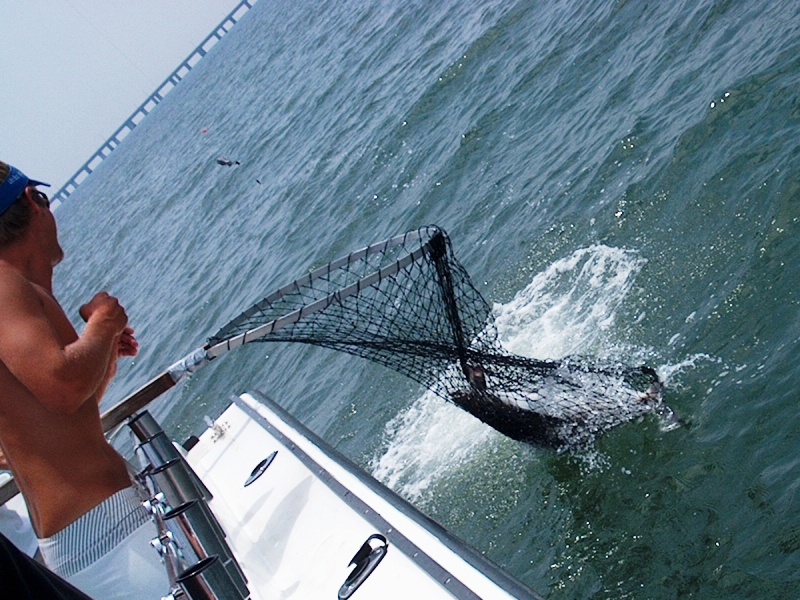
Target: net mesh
[[408, 304]]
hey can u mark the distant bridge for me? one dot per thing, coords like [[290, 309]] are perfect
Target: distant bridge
[[144, 109]]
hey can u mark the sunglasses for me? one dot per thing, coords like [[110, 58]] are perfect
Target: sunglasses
[[37, 196]]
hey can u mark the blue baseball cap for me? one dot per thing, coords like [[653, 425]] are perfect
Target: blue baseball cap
[[12, 183]]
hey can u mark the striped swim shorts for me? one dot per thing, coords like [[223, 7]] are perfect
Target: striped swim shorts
[[94, 534]]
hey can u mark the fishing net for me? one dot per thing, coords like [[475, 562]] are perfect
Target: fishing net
[[408, 304]]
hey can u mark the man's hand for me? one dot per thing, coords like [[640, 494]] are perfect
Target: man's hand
[[105, 308], [127, 345]]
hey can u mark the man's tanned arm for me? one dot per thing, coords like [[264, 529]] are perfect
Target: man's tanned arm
[[59, 368], [126, 344]]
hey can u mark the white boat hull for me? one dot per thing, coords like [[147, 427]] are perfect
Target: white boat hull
[[295, 528]]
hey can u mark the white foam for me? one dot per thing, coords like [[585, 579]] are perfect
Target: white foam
[[569, 308], [425, 441], [669, 372]]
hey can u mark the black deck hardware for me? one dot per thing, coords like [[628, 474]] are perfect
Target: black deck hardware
[[364, 563], [258, 471]]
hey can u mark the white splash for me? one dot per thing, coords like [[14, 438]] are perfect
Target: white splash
[[570, 307], [567, 309], [425, 441]]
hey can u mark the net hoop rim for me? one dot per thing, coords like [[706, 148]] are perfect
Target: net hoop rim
[[215, 347]]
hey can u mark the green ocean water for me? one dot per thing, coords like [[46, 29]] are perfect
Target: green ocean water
[[619, 178]]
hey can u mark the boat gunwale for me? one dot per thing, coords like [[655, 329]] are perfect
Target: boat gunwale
[[469, 555]]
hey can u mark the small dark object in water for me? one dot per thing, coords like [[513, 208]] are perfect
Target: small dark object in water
[[226, 162]]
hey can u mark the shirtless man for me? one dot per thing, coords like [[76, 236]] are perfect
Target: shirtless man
[[79, 494]]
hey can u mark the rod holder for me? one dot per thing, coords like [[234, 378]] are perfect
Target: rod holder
[[144, 426], [175, 480], [198, 531], [208, 580]]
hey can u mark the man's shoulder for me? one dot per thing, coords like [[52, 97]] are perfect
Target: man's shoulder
[[8, 270], [16, 292], [11, 278]]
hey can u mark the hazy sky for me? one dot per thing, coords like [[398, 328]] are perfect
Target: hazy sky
[[74, 70]]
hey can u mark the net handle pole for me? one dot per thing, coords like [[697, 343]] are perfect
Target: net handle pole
[[438, 253]]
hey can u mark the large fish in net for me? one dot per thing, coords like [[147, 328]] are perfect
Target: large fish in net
[[408, 304]]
